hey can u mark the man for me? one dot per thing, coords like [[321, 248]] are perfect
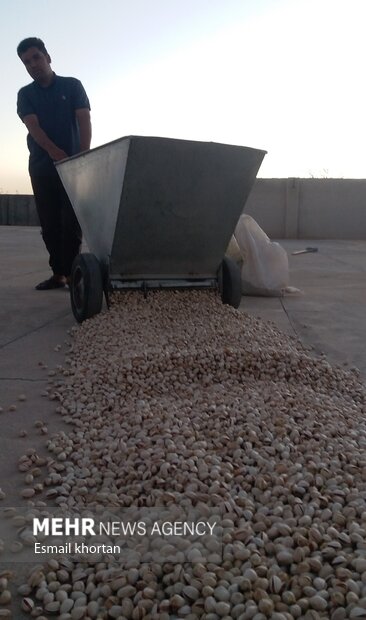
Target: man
[[56, 112]]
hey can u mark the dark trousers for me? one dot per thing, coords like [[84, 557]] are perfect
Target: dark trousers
[[60, 229]]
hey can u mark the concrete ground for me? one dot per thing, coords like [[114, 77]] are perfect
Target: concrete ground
[[328, 314]]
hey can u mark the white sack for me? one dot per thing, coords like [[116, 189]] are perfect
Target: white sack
[[265, 270], [233, 251]]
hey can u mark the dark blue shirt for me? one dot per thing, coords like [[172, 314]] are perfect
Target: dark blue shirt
[[55, 108]]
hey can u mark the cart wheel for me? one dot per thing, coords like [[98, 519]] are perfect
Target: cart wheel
[[86, 287], [230, 283]]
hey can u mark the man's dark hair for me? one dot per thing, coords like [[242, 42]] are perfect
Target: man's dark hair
[[31, 42]]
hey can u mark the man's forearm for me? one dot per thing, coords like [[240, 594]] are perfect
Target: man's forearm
[[85, 131], [42, 139]]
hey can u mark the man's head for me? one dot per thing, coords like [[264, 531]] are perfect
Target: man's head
[[31, 42], [36, 59]]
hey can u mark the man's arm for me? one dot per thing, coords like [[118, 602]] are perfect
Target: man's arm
[[32, 124], [83, 119]]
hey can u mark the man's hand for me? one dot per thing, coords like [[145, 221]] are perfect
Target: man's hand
[[56, 154]]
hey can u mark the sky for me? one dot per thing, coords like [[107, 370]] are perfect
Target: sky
[[286, 76]]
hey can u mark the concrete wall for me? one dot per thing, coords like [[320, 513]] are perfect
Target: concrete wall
[[284, 208], [18, 210], [310, 208]]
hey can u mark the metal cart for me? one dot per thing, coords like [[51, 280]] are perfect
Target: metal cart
[[156, 213]]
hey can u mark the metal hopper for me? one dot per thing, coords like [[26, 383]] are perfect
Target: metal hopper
[[155, 212]]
